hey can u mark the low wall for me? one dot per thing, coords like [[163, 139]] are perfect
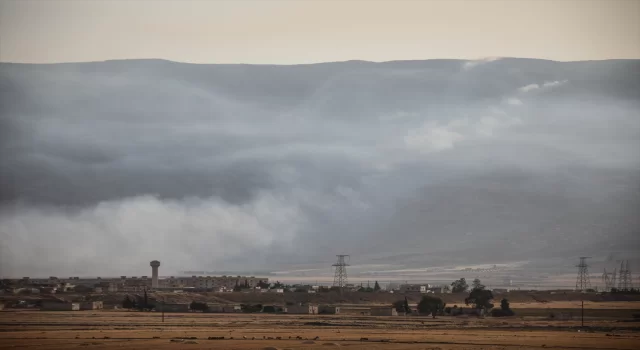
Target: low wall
[[91, 305], [222, 309], [329, 310], [60, 307], [302, 309], [387, 311], [172, 307]]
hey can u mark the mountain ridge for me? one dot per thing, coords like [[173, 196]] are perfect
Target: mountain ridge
[[322, 63]]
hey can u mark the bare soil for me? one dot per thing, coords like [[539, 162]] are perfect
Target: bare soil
[[621, 305], [137, 330]]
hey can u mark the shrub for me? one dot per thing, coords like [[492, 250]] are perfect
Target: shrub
[[501, 313], [251, 308], [269, 309], [198, 306]]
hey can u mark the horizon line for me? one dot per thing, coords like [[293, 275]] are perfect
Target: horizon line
[[483, 59]]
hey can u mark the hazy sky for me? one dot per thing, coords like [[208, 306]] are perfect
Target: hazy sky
[[286, 32]]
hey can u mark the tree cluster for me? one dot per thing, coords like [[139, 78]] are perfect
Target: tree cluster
[[427, 305], [251, 308], [431, 305], [459, 286], [138, 303], [369, 289], [263, 285], [240, 286], [402, 306], [480, 297], [504, 310]]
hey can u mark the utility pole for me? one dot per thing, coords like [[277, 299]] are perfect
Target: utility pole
[[583, 283], [582, 312]]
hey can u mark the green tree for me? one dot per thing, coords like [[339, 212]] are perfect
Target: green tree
[[504, 310], [504, 304], [459, 286], [480, 299], [477, 284], [431, 305], [376, 287]]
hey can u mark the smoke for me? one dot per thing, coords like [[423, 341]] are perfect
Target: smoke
[[106, 166], [432, 137], [122, 236], [513, 101], [472, 64], [545, 85]]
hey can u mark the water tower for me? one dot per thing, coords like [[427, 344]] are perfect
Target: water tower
[[154, 273]]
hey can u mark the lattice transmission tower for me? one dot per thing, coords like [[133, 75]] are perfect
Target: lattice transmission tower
[[628, 277], [583, 282], [624, 277], [340, 277], [609, 279]]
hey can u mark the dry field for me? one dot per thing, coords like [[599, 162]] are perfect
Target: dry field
[[575, 304], [135, 330]]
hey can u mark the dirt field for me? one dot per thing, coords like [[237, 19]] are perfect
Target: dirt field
[[135, 330], [575, 304]]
